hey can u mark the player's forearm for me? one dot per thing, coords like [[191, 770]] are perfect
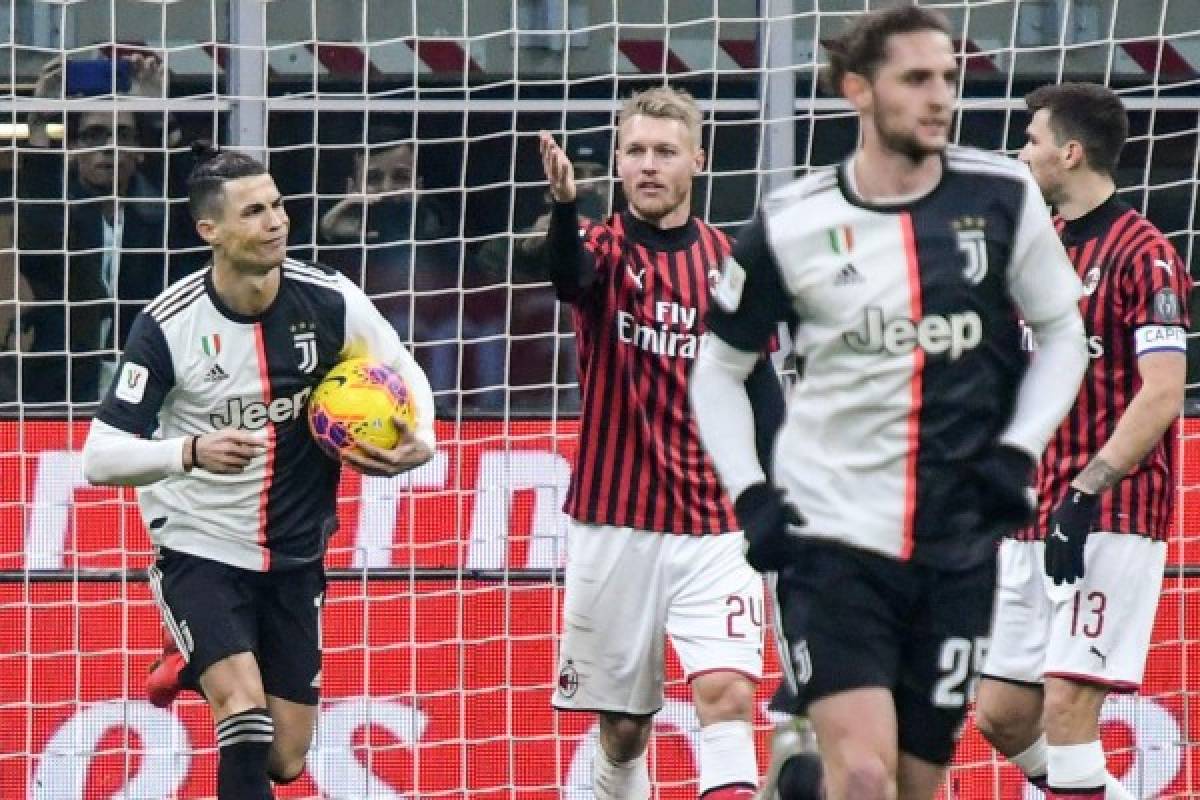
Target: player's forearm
[[566, 260], [1050, 385], [112, 457], [724, 416], [1149, 415]]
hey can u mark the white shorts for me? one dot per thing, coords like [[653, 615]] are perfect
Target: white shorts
[[626, 588], [1096, 630]]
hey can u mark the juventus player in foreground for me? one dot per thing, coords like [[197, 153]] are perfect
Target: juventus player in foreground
[[911, 438], [652, 547], [207, 415], [1106, 480]]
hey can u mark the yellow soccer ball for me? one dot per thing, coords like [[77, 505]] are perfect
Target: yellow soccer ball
[[357, 402]]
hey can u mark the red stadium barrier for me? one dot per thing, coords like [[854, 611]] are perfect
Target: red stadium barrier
[[431, 688]]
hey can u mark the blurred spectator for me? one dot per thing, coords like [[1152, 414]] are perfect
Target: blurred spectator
[[539, 330], [92, 241], [387, 237], [16, 334]]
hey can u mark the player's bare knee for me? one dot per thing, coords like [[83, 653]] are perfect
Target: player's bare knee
[[624, 736], [1071, 709], [866, 777], [1008, 729], [285, 771], [723, 700]]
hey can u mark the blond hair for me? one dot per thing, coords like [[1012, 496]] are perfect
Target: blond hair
[[664, 102]]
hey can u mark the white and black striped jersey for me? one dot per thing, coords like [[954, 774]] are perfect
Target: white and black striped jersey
[[906, 318], [192, 365]]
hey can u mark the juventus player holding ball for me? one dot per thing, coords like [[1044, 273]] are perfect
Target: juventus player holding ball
[[206, 415], [1079, 589]]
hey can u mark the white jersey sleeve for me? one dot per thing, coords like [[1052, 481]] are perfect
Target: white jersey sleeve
[[369, 334], [1046, 290]]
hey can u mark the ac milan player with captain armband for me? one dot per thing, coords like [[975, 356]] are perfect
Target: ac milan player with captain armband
[[1079, 588]]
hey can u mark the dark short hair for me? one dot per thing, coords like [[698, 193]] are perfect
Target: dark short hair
[[1089, 113], [863, 47], [213, 169]]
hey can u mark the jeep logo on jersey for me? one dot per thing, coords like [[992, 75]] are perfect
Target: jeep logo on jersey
[[255, 414], [306, 343], [952, 334]]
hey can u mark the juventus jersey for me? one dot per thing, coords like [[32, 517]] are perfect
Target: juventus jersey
[[192, 365], [906, 318]]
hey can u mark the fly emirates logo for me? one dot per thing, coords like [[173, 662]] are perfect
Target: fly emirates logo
[[671, 335]]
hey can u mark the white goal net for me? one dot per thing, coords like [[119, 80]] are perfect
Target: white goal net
[[403, 134]]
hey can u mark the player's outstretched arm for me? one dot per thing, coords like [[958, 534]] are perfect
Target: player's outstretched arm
[[566, 258]]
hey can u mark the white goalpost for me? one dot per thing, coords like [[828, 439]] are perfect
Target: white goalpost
[[403, 135]]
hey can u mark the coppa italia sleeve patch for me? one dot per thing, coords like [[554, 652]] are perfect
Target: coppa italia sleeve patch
[[728, 293], [131, 386]]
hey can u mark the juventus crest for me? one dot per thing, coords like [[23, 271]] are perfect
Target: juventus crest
[[972, 243], [306, 343]]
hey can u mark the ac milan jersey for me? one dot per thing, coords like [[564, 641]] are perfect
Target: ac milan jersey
[[1135, 302], [192, 365], [907, 324], [640, 463]]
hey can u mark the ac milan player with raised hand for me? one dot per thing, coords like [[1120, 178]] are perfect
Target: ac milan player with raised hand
[[653, 546], [1079, 589], [912, 435], [207, 417]]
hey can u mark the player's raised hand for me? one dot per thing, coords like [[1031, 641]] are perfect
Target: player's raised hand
[[409, 453], [559, 170], [227, 451]]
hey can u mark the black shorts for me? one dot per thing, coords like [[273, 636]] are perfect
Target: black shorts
[[214, 611], [854, 619]]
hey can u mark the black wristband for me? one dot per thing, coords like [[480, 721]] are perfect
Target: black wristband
[[195, 463]]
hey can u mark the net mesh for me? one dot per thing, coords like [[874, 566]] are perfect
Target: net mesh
[[404, 138]]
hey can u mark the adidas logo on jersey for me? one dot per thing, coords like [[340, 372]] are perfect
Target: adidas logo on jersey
[[215, 373], [848, 276]]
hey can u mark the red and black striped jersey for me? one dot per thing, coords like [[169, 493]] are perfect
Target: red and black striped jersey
[[638, 323], [1135, 302]]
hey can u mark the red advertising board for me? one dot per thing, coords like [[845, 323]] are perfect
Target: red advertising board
[[431, 688]]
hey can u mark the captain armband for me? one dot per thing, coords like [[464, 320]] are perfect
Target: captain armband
[[1158, 338]]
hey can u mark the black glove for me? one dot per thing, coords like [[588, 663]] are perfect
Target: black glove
[[1070, 525], [1006, 475], [765, 518]]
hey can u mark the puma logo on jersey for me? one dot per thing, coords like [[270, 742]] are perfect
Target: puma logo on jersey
[[936, 334], [255, 414], [1058, 534], [637, 277]]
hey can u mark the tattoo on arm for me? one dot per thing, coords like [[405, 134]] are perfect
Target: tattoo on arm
[[1097, 476]]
